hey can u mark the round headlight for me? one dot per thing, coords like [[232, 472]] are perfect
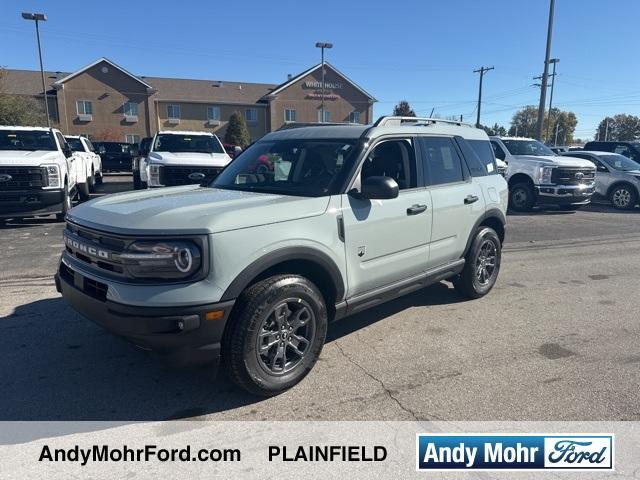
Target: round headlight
[[184, 260]]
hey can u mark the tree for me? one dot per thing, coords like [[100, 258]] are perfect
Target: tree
[[523, 124], [237, 132], [619, 128], [20, 109], [498, 130], [403, 109]]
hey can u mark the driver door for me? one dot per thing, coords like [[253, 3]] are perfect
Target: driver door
[[387, 240]]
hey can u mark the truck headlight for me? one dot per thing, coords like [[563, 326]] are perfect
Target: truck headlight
[[52, 174], [545, 175], [165, 259], [154, 175]]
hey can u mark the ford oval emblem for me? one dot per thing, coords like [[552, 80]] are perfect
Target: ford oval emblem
[[196, 176], [5, 178], [579, 176]]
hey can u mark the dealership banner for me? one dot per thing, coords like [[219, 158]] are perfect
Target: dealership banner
[[201, 449]]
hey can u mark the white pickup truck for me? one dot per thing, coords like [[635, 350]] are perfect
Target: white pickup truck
[[182, 158], [39, 174], [83, 148], [537, 176]]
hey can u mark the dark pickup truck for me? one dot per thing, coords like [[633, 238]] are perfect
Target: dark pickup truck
[[116, 156]]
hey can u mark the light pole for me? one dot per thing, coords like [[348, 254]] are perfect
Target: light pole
[[545, 73], [553, 82], [40, 17], [322, 46]]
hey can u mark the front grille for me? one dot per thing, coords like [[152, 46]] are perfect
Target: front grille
[[22, 178], [110, 245], [173, 176], [572, 176], [93, 288]]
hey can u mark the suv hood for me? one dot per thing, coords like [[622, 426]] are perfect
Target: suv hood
[[28, 157], [557, 161], [190, 158], [192, 209]]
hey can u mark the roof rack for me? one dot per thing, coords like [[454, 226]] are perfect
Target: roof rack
[[415, 121], [291, 125]]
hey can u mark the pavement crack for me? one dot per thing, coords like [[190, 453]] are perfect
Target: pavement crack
[[387, 391]]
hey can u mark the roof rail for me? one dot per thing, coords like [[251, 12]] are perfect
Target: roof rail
[[415, 121], [291, 125]]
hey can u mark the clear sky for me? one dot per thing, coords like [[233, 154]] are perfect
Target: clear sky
[[423, 51]]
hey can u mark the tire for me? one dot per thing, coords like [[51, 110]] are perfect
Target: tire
[[623, 197], [522, 197], [66, 204], [267, 309], [99, 178], [92, 182], [473, 282], [137, 182], [83, 191]]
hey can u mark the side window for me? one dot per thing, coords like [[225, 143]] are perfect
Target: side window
[[61, 140], [479, 157], [441, 160], [497, 150], [91, 147], [623, 150], [395, 159]]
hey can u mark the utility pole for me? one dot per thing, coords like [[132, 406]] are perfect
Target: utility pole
[[553, 82], [555, 141], [481, 71], [606, 130], [322, 46], [545, 73]]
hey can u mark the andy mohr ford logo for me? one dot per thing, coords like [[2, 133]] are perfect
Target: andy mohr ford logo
[[84, 248]]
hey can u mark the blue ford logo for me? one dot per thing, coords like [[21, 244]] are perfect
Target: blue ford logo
[[5, 178], [197, 176]]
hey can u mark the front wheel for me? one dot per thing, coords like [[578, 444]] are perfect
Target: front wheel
[[482, 264], [522, 197], [276, 337], [623, 197], [83, 191]]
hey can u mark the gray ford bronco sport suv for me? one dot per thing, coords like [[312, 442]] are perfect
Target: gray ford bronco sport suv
[[306, 226]]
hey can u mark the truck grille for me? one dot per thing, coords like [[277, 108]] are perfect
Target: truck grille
[[22, 178], [173, 176], [572, 176], [100, 251]]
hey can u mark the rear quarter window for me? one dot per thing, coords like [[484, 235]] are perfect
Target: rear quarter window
[[484, 157]]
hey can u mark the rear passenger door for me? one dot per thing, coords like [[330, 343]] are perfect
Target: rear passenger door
[[457, 199]]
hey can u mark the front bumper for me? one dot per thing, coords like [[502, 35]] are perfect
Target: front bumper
[[27, 203], [180, 336], [565, 194]]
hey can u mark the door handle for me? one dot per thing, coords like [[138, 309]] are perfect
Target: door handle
[[469, 199], [416, 209]]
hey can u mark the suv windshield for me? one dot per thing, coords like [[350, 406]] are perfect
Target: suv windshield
[[619, 162], [27, 140], [306, 168], [187, 143], [75, 144], [527, 147]]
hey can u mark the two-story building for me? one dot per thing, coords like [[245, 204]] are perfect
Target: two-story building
[[104, 101]]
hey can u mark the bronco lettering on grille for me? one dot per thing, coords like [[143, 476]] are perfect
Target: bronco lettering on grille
[[89, 250]]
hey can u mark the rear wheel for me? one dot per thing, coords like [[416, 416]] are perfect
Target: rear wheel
[[482, 265], [276, 337], [92, 181], [521, 197], [623, 197], [99, 179], [137, 182]]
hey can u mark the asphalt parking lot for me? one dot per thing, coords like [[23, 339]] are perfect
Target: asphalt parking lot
[[557, 339]]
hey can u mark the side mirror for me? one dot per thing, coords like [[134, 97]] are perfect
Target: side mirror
[[379, 188], [67, 151], [602, 168]]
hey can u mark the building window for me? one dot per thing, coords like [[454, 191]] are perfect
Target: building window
[[134, 139], [251, 115], [354, 117], [327, 116], [213, 113], [289, 115], [130, 109], [173, 111], [83, 107]]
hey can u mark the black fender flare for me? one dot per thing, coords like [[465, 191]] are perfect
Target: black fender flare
[[491, 213], [281, 255]]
